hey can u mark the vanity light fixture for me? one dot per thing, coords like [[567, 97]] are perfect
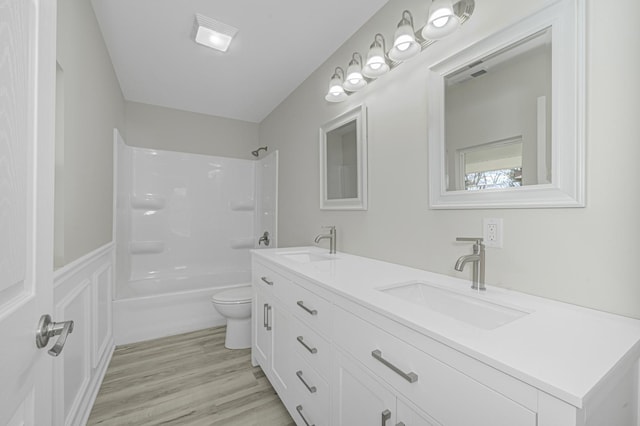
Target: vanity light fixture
[[445, 16], [405, 45], [376, 60], [354, 80], [336, 92], [442, 20], [214, 34]]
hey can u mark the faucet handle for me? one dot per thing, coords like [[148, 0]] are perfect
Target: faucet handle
[[477, 240]]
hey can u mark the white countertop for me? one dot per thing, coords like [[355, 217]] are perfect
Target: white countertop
[[562, 349]]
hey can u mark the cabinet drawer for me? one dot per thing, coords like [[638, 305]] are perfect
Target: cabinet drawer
[[305, 383], [309, 307], [446, 394], [268, 280], [310, 346]]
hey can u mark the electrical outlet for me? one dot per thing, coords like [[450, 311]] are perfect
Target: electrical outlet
[[492, 232]]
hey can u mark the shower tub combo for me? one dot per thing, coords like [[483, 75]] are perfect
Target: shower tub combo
[[184, 226]]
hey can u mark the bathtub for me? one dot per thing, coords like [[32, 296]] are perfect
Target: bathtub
[[163, 306]]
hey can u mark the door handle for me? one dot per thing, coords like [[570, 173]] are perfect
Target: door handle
[[47, 329]]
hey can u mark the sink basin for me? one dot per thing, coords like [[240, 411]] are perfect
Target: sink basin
[[471, 310], [306, 257]]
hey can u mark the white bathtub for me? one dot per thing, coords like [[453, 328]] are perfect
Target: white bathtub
[[159, 307]]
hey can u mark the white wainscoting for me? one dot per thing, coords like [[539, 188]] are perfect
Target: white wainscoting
[[83, 293]]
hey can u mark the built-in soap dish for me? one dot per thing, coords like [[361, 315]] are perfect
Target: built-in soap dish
[[242, 243], [146, 247], [147, 202], [242, 205]]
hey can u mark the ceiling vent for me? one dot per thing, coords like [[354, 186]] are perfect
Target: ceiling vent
[[213, 34]]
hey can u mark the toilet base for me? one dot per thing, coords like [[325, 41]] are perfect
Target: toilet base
[[238, 333]]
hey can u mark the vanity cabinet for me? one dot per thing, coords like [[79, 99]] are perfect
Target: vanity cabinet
[[289, 342], [361, 399], [269, 328], [337, 359]]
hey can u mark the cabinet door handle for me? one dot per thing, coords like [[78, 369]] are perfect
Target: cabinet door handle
[[266, 280], [299, 410], [307, 347], [268, 318], [410, 377], [311, 389], [386, 415], [400, 424], [311, 311], [264, 315]]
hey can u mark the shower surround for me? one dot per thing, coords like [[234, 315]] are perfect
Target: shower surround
[[184, 226]]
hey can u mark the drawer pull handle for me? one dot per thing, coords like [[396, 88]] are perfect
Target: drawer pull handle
[[386, 415], [312, 389], [410, 377], [299, 410], [264, 315], [311, 311], [266, 280], [268, 318], [307, 347]]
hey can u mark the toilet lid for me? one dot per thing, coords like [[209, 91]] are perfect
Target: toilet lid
[[233, 295]]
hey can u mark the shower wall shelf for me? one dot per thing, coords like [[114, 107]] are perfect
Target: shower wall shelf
[[147, 202], [243, 205], [146, 247], [242, 243]]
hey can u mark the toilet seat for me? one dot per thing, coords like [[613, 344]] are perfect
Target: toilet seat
[[233, 296]]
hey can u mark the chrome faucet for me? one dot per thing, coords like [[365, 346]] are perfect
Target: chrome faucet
[[264, 239], [477, 258], [331, 236]]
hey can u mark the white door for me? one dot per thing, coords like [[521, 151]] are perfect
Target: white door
[[27, 116]]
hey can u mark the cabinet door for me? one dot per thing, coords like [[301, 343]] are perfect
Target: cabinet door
[[281, 352], [359, 399], [408, 415], [261, 349]]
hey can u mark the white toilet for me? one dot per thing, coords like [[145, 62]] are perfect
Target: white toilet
[[235, 305]]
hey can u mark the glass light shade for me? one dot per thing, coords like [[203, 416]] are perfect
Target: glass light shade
[[336, 92], [405, 45], [442, 21], [355, 80], [376, 63]]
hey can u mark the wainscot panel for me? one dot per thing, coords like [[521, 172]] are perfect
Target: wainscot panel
[[83, 293]]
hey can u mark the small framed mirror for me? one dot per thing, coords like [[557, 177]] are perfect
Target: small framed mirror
[[343, 161], [506, 117]]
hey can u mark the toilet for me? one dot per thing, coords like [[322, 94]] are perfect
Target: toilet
[[235, 305]]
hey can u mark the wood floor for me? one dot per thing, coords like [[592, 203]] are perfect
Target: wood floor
[[190, 379]]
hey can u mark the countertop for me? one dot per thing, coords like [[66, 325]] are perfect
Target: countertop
[[562, 349]]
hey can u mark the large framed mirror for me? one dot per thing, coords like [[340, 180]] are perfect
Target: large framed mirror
[[506, 116], [343, 161]]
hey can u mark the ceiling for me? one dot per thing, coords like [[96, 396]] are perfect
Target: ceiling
[[278, 45]]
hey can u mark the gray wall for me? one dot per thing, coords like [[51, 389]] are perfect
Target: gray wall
[[584, 256], [93, 106], [150, 126]]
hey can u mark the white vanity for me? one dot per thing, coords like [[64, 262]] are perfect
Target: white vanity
[[347, 340]]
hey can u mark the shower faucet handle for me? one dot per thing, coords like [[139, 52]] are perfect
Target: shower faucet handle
[[264, 239]]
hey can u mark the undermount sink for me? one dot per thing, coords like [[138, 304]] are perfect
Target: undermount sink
[[471, 310], [305, 256]]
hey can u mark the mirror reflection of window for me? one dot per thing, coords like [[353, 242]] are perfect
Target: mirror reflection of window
[[342, 162], [491, 166], [505, 93]]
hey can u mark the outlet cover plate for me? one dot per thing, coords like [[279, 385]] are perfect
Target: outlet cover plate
[[492, 231]]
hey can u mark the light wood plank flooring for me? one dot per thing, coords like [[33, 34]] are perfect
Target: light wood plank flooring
[[190, 379]]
